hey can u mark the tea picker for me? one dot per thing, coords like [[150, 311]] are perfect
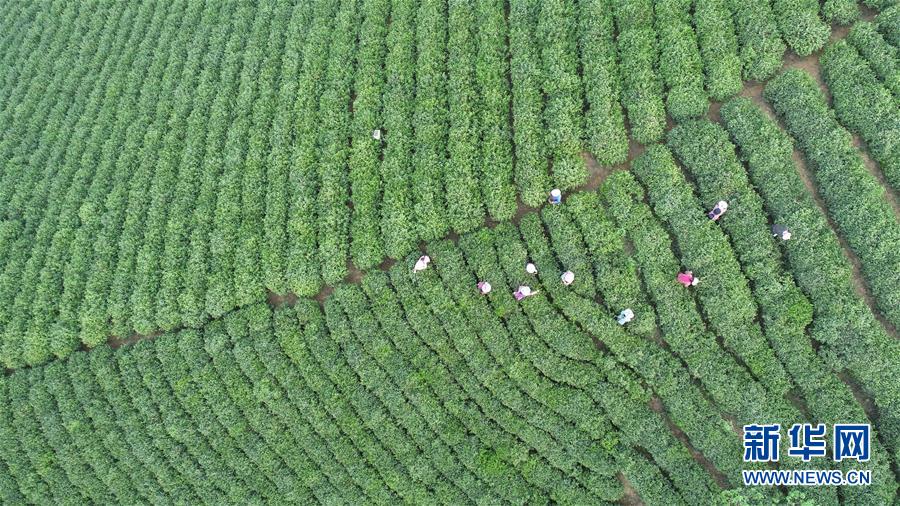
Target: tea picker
[[523, 291], [555, 196], [625, 316], [484, 287], [718, 211], [567, 278], [687, 279], [422, 263], [781, 232]]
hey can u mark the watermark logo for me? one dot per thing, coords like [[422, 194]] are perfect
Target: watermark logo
[[761, 442], [851, 441], [807, 441]]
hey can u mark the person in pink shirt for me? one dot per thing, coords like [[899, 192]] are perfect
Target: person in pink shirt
[[687, 278], [523, 291]]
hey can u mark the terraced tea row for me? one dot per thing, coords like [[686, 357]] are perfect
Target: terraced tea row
[[163, 163], [415, 386]]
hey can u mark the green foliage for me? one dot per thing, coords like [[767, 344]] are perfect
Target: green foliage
[[332, 213], [166, 167], [679, 60], [761, 48], [561, 86], [397, 227], [723, 291], [681, 326], [532, 175], [864, 106], [881, 56], [854, 197], [302, 269], [463, 194], [430, 119], [642, 88], [707, 153], [859, 344], [719, 47], [888, 22], [842, 12], [800, 25], [491, 70], [366, 246], [604, 120]]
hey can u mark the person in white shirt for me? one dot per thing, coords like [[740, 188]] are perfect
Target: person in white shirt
[[422, 263]]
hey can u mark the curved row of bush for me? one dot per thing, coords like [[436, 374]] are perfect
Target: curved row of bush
[[160, 170], [800, 25], [410, 387], [618, 282], [65, 193], [854, 197], [688, 406], [719, 47], [842, 12], [887, 22], [366, 245], [864, 106], [431, 121], [532, 174], [55, 277], [491, 71], [561, 85], [706, 152], [858, 344], [723, 292], [48, 54], [882, 57], [25, 197], [218, 415], [430, 416], [463, 193], [302, 265], [684, 331], [18, 43], [273, 220], [623, 397], [577, 469], [223, 255], [880, 4], [333, 215]]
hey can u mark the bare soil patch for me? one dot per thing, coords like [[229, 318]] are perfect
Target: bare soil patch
[[889, 194], [630, 497], [117, 342], [275, 300]]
